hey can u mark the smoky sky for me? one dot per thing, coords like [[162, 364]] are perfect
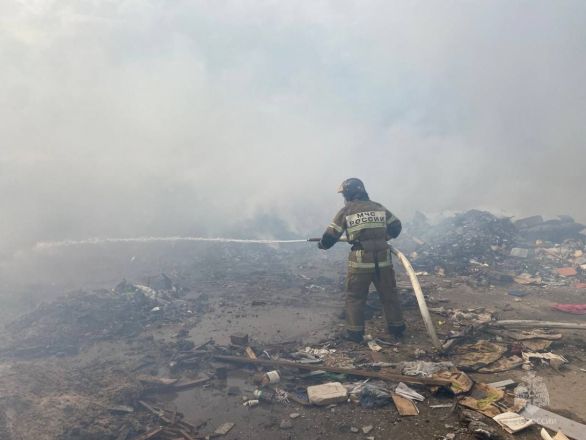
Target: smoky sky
[[129, 118]]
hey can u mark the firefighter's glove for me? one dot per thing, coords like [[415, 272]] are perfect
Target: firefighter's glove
[[320, 245]]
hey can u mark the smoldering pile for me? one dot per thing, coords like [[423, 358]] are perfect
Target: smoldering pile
[[73, 321], [495, 249]]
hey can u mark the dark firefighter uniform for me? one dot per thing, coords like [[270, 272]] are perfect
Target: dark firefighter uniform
[[368, 225]]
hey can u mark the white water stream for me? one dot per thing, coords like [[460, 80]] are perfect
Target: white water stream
[[97, 241]]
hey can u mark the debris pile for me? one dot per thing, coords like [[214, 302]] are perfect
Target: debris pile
[[495, 250], [163, 369], [459, 243], [76, 320], [332, 381]]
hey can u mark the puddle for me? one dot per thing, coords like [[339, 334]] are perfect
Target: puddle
[[267, 324], [209, 407]]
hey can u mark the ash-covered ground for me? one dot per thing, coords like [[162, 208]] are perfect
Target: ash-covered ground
[[98, 332]]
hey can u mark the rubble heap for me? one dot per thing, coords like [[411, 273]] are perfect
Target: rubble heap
[[474, 235], [75, 320], [496, 250]]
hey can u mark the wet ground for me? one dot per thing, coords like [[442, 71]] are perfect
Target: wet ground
[[277, 296]]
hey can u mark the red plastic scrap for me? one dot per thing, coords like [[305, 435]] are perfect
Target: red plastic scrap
[[567, 271], [580, 285], [576, 309]]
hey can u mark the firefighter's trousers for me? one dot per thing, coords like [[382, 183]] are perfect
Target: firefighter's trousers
[[357, 286]]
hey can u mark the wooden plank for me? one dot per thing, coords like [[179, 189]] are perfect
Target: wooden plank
[[405, 406], [250, 354], [350, 371]]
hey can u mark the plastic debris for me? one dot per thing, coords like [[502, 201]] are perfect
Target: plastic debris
[[576, 309], [372, 396], [409, 393], [567, 271], [423, 368], [374, 346]]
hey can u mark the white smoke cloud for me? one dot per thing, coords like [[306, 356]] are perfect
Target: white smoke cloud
[[133, 118]]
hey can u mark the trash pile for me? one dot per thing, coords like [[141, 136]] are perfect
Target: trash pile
[[467, 239], [340, 373], [495, 250], [74, 321], [366, 388]]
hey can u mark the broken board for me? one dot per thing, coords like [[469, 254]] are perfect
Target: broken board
[[405, 406]]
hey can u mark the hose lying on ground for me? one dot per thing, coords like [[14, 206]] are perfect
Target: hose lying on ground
[[420, 298]]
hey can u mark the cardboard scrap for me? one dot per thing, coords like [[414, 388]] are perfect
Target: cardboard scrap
[[546, 356], [559, 436], [536, 344], [483, 398], [472, 357], [512, 422], [461, 382], [405, 406], [503, 364]]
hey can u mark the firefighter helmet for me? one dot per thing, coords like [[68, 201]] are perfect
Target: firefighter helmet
[[351, 188]]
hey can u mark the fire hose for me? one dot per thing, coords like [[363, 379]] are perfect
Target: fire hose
[[418, 294]]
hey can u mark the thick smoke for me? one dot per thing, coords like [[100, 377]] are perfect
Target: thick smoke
[[131, 118]]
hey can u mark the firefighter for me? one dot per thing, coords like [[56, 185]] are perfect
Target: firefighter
[[368, 226]]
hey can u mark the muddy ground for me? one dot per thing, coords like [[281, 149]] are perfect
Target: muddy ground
[[282, 297]]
